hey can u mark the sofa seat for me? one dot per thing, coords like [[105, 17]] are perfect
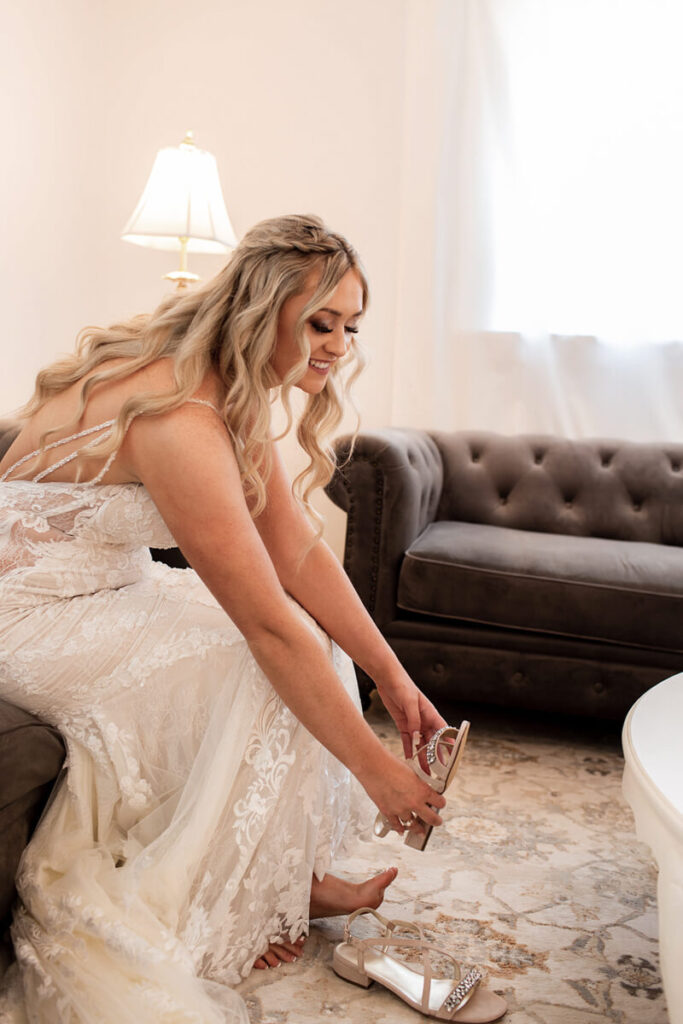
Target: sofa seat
[[591, 588]]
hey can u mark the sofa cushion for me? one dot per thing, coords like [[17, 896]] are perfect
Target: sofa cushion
[[8, 431], [618, 591]]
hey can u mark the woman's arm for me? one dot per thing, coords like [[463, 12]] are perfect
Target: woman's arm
[[313, 575], [185, 460]]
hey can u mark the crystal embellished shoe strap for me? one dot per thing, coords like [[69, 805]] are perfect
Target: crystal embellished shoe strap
[[462, 993], [431, 746]]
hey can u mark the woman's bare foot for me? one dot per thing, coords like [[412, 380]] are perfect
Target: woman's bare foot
[[330, 897], [280, 952], [335, 896]]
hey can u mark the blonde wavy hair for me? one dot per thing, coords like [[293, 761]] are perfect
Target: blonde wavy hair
[[230, 325]]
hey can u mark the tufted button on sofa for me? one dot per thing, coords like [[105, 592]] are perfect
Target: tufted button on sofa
[[530, 570]]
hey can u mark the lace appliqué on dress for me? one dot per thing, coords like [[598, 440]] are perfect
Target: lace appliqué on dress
[[195, 808]]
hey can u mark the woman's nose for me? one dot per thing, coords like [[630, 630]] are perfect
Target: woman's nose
[[337, 343]]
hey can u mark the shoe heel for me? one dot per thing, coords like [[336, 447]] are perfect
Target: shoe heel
[[417, 841], [349, 971]]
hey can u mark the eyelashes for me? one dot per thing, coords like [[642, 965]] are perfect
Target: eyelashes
[[321, 328]]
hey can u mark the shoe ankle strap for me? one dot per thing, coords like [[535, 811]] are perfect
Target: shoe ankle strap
[[389, 925]]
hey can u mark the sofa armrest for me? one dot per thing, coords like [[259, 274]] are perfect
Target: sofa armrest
[[390, 487], [8, 431], [31, 755]]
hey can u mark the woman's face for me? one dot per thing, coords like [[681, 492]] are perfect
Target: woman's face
[[329, 331]]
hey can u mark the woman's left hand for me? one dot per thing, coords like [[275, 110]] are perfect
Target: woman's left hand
[[416, 717]]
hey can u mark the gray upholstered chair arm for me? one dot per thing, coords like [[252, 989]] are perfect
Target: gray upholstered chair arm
[[390, 490], [8, 431]]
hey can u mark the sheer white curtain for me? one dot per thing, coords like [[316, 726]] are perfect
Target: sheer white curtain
[[541, 256]]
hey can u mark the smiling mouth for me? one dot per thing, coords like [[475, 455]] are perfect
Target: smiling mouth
[[319, 366]]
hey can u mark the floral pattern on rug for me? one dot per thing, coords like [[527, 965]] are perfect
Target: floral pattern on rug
[[536, 876]]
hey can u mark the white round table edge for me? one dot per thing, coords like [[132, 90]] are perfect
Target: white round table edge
[[659, 821]]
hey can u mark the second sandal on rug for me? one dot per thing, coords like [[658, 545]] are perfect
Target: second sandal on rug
[[364, 960]]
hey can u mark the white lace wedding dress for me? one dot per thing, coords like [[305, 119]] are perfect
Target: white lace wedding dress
[[195, 806]]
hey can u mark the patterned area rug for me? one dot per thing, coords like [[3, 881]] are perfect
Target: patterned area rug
[[536, 875]]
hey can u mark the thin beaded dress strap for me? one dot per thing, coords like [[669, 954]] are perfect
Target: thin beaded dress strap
[[204, 401], [105, 467], [56, 444], [108, 424]]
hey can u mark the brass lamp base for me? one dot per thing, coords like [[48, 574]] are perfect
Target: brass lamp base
[[183, 278]]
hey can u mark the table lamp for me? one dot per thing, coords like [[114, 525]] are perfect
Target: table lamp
[[182, 208]]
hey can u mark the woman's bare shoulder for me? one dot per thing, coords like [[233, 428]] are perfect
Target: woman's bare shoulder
[[58, 414], [158, 378]]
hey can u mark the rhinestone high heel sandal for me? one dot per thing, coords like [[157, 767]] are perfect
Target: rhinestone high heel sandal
[[363, 961], [442, 754]]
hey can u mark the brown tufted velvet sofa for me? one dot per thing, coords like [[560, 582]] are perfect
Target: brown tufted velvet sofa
[[531, 571]]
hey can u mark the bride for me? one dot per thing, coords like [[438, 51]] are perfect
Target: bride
[[214, 735]]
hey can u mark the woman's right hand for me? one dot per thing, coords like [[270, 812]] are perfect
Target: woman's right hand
[[400, 795]]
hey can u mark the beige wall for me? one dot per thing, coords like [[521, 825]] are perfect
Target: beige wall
[[52, 244], [301, 102]]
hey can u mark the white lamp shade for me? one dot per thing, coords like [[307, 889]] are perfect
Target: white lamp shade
[[182, 199]]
